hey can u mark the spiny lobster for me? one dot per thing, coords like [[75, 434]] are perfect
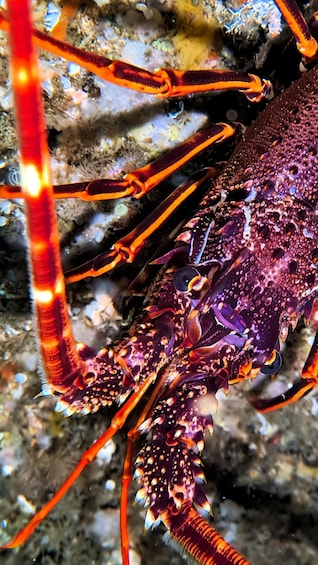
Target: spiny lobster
[[242, 272]]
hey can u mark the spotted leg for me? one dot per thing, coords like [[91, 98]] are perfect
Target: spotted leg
[[169, 470]]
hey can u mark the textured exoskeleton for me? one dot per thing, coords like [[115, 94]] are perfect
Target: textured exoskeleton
[[241, 273]]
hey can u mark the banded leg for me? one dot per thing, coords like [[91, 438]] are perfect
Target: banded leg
[[306, 43], [125, 249], [136, 183], [164, 83], [55, 338], [69, 9], [307, 383], [87, 457]]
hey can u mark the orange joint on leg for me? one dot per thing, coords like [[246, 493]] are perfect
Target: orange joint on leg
[[308, 48]]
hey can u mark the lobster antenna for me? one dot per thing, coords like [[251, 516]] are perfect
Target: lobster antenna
[[55, 338]]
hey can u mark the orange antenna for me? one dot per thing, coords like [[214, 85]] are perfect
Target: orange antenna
[[57, 347]]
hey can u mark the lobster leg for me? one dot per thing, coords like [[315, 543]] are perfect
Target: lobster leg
[[68, 12], [164, 82], [87, 457], [136, 183], [62, 363], [132, 437], [306, 43], [307, 383], [125, 249]]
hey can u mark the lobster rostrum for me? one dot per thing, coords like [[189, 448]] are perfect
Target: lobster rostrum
[[242, 272]]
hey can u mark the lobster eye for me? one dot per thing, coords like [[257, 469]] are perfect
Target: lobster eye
[[182, 278], [275, 363]]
